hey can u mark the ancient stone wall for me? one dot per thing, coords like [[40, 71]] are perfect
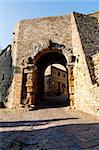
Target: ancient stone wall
[[14, 97], [95, 59], [30, 37], [85, 92], [88, 28], [5, 74], [78, 34], [34, 35]]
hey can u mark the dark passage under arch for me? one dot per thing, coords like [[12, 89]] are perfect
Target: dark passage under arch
[[42, 63]]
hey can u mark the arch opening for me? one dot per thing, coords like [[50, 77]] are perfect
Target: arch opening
[[42, 63]]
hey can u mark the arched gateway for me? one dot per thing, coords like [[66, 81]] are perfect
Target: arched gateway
[[33, 73], [40, 42]]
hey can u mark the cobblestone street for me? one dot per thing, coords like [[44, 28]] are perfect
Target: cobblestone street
[[48, 129]]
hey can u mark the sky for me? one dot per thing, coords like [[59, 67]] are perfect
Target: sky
[[12, 11]]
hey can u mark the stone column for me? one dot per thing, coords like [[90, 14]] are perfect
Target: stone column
[[71, 85], [31, 84]]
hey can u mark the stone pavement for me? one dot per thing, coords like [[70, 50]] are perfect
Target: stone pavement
[[48, 129]]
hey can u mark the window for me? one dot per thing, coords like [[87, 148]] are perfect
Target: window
[[64, 75], [58, 73], [63, 85]]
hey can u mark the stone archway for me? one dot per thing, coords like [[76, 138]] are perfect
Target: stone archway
[[54, 53], [43, 59]]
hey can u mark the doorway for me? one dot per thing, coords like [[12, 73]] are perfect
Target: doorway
[[42, 62]]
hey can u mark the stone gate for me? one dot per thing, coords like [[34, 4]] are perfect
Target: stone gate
[[70, 40], [32, 73]]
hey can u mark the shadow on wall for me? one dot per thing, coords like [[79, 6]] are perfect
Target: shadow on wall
[[88, 29], [8, 71], [45, 135]]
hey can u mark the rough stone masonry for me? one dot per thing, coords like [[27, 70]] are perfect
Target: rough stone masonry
[[71, 40]]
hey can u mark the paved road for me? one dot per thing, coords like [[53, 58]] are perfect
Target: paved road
[[48, 129]]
